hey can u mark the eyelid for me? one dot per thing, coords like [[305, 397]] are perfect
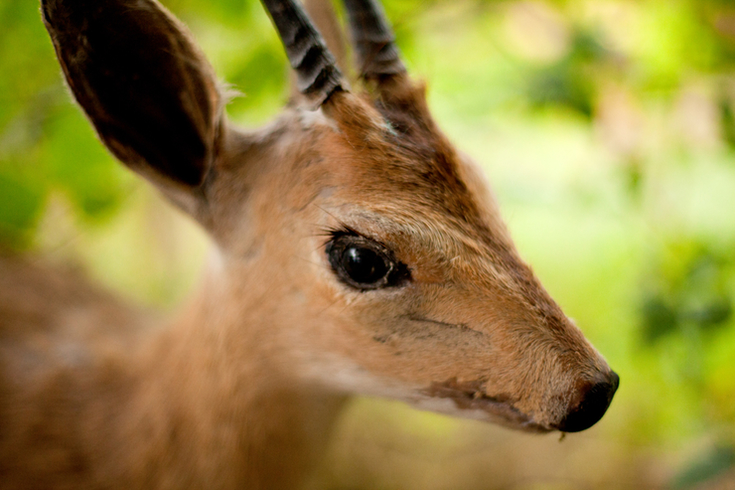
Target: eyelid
[[344, 231]]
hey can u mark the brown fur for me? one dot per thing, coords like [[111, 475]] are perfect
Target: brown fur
[[241, 389]]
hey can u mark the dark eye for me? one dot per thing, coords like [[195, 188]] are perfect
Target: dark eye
[[363, 263]]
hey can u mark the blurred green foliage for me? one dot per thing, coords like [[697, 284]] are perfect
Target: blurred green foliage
[[713, 463], [692, 291], [607, 127]]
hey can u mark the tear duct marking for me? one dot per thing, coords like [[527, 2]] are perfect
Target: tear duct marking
[[460, 326]]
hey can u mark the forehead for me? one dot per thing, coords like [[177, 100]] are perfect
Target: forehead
[[403, 182], [415, 189], [418, 171]]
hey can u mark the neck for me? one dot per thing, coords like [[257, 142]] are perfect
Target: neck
[[213, 406]]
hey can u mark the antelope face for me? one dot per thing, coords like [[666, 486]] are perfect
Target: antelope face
[[359, 248], [412, 288]]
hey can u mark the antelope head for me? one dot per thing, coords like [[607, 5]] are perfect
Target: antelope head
[[360, 251]]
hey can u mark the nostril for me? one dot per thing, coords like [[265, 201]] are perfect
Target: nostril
[[591, 404]]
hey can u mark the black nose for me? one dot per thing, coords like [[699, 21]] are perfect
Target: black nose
[[590, 404]]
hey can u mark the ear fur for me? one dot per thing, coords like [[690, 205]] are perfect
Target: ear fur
[[148, 90]]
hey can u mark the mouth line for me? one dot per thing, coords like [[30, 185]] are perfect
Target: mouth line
[[470, 396]]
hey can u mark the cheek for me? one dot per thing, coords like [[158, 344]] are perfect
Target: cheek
[[396, 340], [366, 330]]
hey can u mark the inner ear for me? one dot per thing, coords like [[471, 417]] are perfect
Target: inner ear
[[144, 84]]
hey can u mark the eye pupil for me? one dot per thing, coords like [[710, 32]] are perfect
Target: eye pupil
[[364, 265]]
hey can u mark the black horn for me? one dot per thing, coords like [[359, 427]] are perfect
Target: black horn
[[373, 39], [316, 70]]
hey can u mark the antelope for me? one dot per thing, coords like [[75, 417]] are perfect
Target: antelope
[[356, 252]]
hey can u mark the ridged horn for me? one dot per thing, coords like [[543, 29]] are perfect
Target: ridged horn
[[317, 75], [373, 40]]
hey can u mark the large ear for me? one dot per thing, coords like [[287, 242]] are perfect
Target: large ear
[[144, 84]]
